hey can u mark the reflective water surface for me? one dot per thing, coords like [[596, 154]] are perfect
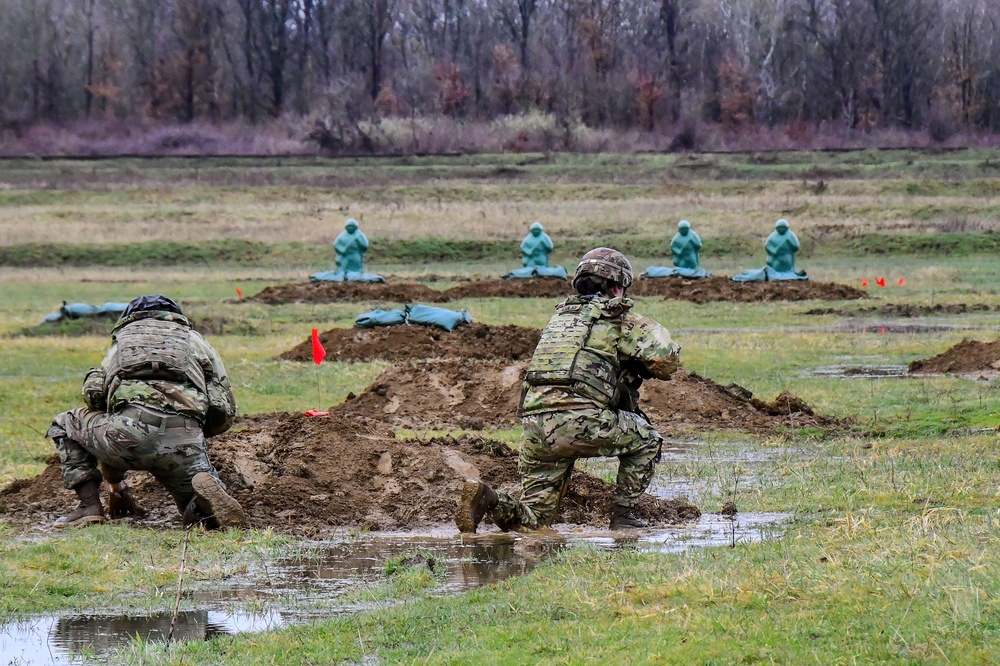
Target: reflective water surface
[[305, 587]]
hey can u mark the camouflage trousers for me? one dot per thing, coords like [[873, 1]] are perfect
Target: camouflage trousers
[[553, 443], [173, 452]]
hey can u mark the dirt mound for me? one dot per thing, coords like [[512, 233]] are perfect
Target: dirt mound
[[691, 403], [307, 476], [904, 310], [472, 395], [444, 394], [966, 356], [101, 326], [417, 342], [348, 292], [527, 288], [721, 288]]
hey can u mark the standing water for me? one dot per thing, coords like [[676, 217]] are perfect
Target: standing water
[[314, 585]]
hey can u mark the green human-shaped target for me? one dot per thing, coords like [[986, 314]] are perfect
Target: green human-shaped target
[[350, 247], [536, 247], [781, 247], [685, 247]]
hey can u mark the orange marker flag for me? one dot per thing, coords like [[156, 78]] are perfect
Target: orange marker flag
[[901, 282], [880, 282], [239, 294], [317, 412], [864, 283], [318, 352]]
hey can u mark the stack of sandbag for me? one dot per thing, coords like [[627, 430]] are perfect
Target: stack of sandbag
[[425, 315]]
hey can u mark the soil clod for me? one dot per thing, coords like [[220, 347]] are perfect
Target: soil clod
[[348, 292], [418, 342], [967, 356]]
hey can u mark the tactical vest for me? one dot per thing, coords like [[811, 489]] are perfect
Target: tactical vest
[[154, 349], [562, 357]]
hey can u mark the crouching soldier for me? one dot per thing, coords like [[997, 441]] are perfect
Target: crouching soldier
[[580, 400], [160, 391]]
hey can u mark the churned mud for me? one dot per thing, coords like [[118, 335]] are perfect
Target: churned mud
[[516, 288], [417, 342], [310, 475], [965, 357], [348, 292], [718, 288], [473, 394], [721, 288]]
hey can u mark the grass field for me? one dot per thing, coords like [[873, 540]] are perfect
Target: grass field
[[892, 553]]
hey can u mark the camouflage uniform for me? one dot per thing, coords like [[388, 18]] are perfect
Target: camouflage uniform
[[135, 420], [589, 409]]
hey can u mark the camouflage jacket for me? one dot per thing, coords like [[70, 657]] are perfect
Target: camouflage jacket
[[638, 346], [216, 408]]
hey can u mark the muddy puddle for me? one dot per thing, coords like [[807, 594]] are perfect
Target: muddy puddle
[[330, 579]]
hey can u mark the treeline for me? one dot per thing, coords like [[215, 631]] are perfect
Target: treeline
[[341, 65]]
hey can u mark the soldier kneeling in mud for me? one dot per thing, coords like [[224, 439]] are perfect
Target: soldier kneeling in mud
[[580, 400], [160, 391]]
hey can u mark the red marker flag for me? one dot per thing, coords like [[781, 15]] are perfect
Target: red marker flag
[[880, 282], [239, 294], [864, 283], [318, 352], [901, 282]]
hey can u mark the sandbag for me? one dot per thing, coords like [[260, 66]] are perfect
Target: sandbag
[[110, 309], [536, 271], [340, 276], [551, 271], [77, 310], [379, 317], [768, 274], [440, 317], [674, 271]]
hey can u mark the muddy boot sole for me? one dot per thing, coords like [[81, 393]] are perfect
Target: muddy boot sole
[[214, 502], [472, 493], [82, 521]]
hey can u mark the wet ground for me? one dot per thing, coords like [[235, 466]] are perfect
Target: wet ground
[[859, 371], [319, 583]]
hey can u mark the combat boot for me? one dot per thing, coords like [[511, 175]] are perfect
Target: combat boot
[[90, 510], [623, 517], [216, 506], [476, 501]]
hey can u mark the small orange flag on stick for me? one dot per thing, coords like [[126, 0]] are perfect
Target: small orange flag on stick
[[318, 352], [880, 282], [864, 283], [901, 282], [239, 293]]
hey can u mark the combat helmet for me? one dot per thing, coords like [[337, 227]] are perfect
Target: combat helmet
[[151, 302], [605, 263]]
